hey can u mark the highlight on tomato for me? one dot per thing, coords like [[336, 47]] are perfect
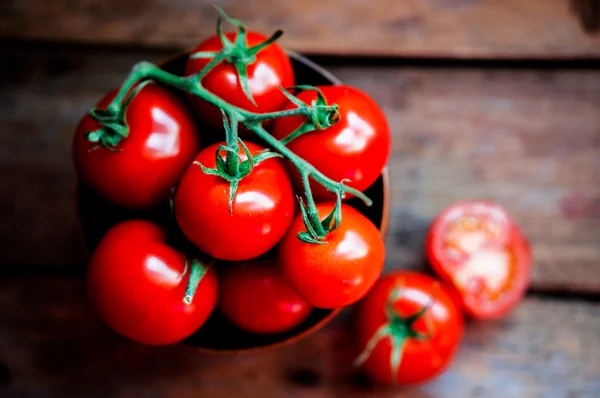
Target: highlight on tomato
[[477, 247], [355, 148], [256, 297], [408, 329], [260, 212], [137, 167], [144, 289], [342, 267]]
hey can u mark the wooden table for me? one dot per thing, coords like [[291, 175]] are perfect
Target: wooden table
[[495, 99]]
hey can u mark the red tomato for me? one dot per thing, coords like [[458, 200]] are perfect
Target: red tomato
[[342, 270], [477, 247], [396, 348], [257, 298], [263, 208], [271, 69], [161, 144], [137, 283], [356, 148]]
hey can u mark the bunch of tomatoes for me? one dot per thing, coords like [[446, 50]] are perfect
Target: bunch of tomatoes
[[271, 239]]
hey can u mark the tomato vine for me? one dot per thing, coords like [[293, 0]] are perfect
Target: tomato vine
[[319, 116]]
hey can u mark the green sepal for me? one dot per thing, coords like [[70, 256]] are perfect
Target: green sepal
[[233, 186]]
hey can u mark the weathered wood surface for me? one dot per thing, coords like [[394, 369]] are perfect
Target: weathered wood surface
[[419, 28], [53, 345]]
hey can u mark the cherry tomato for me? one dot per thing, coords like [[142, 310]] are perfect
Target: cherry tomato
[[140, 173], [262, 210], [356, 148], [257, 298], [271, 69], [408, 328], [478, 248], [339, 272], [137, 283]]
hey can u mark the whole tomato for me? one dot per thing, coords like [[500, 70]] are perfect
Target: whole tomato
[[257, 298], [137, 283], [408, 328], [140, 172], [481, 251], [342, 269], [262, 210], [271, 69], [356, 148]]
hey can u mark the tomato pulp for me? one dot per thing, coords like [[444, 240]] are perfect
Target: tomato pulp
[[477, 247]]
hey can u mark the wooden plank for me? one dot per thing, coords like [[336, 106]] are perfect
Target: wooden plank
[[419, 28], [52, 345], [526, 138]]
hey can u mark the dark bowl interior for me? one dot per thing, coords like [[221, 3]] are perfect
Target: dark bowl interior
[[96, 216]]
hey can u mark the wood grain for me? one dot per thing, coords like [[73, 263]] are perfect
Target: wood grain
[[52, 345], [418, 28], [529, 139]]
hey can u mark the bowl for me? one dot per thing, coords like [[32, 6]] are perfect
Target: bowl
[[217, 335]]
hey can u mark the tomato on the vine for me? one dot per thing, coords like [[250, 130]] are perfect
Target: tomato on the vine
[[137, 284], [141, 171], [271, 69], [356, 148], [339, 271], [256, 297], [477, 247], [262, 209], [408, 328]]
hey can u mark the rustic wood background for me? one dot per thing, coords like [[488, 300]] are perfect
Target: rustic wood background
[[495, 99]]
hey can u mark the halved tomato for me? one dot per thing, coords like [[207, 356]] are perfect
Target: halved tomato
[[478, 247]]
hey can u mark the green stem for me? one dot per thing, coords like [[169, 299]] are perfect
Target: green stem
[[313, 213], [196, 274], [231, 138]]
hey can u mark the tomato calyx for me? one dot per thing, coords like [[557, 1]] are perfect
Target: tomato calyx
[[236, 53], [398, 329], [317, 230], [197, 272], [321, 116]]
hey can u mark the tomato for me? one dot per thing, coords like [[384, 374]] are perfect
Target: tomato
[[257, 298], [408, 328], [339, 272], [136, 282], [477, 247], [262, 210], [140, 173], [271, 69], [356, 148]]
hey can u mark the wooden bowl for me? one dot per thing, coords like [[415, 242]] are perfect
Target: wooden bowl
[[217, 335]]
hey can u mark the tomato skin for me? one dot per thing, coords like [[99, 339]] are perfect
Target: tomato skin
[[162, 142], [136, 283], [340, 272], [256, 297], [356, 148], [421, 360], [263, 208], [509, 240], [271, 69]]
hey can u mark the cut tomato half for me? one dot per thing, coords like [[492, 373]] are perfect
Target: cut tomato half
[[480, 250]]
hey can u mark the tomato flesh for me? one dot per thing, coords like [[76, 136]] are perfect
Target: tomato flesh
[[478, 247]]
